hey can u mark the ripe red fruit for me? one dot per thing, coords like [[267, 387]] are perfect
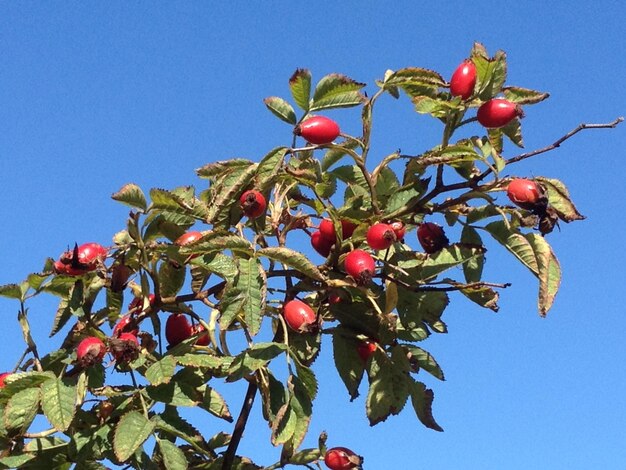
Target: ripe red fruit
[[526, 194], [360, 265], [3, 376], [498, 112], [177, 329], [328, 229], [92, 253], [299, 316], [318, 130], [137, 303], [202, 340], [432, 237], [463, 80], [252, 203], [125, 325], [187, 238], [125, 348], [321, 244], [342, 458], [366, 349], [399, 229], [81, 259], [380, 236], [90, 351]]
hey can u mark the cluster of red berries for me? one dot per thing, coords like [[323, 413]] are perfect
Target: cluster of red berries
[[81, 260], [496, 112]]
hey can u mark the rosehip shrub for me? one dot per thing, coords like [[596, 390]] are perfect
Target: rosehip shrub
[[242, 281]]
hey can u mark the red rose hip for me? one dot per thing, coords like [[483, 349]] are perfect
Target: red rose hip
[[327, 229], [463, 80], [125, 348], [252, 203], [299, 316], [90, 351], [366, 349], [3, 377], [318, 130], [342, 458], [203, 339], [177, 329], [399, 229], [360, 265], [187, 238], [380, 236], [498, 112], [432, 237], [321, 244]]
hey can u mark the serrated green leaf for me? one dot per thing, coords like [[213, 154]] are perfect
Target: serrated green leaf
[[21, 409], [516, 243], [301, 405], [300, 86], [523, 95], [472, 268], [161, 371], [389, 385], [215, 404], [414, 76], [16, 461], [336, 91], [216, 241], [173, 457], [231, 305], [305, 456], [415, 308], [58, 402], [549, 271], [205, 361], [41, 444], [269, 167], [131, 195], [513, 130], [224, 167], [179, 202], [130, 433], [422, 399], [447, 258], [171, 278], [61, 317], [171, 422], [254, 358], [491, 75], [559, 199], [12, 291], [426, 361], [281, 109], [347, 361], [293, 259], [436, 107], [252, 284]]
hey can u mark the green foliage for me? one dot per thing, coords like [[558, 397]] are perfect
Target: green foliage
[[233, 280]]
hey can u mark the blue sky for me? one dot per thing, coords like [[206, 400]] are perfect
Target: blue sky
[[94, 95]]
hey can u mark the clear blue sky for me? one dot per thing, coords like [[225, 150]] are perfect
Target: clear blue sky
[[97, 94]]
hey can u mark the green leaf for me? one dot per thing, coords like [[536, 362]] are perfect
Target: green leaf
[[217, 241], [16, 461], [513, 130], [11, 291], [302, 407], [215, 404], [491, 75], [41, 444], [484, 296], [414, 308], [447, 258], [179, 203], [252, 284], [21, 409], [293, 259], [231, 305], [439, 108], [131, 432], [523, 95], [426, 361], [254, 358], [347, 360], [219, 169], [336, 91], [414, 76], [225, 194], [549, 271], [281, 109], [173, 457], [300, 85], [58, 402], [389, 385], [161, 371], [132, 196], [171, 422], [422, 399], [269, 167], [516, 243], [559, 199], [217, 364], [472, 268], [305, 456]]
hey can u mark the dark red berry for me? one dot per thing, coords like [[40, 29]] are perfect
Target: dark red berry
[[125, 348], [252, 203], [187, 238], [432, 237], [366, 349], [342, 458], [399, 229], [203, 339], [177, 329], [318, 130], [526, 194], [360, 265], [498, 112], [90, 351], [321, 244], [125, 325], [3, 377], [380, 236], [463, 80], [328, 229], [299, 316], [81, 259]]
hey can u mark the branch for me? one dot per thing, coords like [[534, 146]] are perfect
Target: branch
[[431, 288], [240, 425]]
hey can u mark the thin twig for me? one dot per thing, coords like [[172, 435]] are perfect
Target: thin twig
[[240, 425]]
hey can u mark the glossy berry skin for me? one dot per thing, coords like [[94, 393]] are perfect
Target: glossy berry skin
[[342, 458], [380, 236], [125, 325], [366, 349], [198, 329], [92, 253], [299, 316], [327, 229], [463, 80], [177, 329], [81, 259], [432, 237], [125, 348], [498, 112], [187, 238], [90, 351], [321, 244], [399, 229], [318, 130], [526, 194], [3, 376], [253, 203], [360, 265]]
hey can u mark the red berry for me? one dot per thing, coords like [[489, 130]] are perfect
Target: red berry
[[432, 237], [380, 236], [202, 340], [92, 253], [399, 229], [3, 376], [463, 80], [342, 458], [526, 194], [498, 112], [366, 349], [187, 238], [125, 348], [299, 316], [318, 130], [125, 325], [360, 265], [328, 229], [81, 259], [90, 351], [137, 303], [177, 329], [252, 203], [321, 244]]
